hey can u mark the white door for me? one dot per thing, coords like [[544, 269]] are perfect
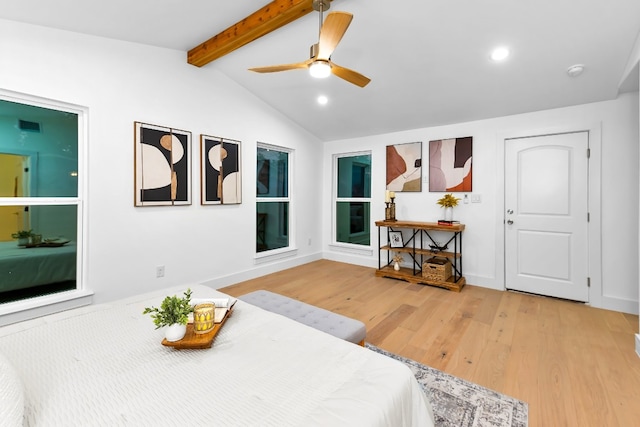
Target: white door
[[546, 215]]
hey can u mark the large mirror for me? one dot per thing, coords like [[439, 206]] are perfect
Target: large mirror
[[38, 200]]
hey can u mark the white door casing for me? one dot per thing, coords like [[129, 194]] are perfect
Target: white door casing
[[546, 215]]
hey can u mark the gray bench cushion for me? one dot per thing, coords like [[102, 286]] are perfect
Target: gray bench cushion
[[324, 320]]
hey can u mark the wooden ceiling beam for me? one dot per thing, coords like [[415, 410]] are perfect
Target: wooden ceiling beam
[[276, 14]]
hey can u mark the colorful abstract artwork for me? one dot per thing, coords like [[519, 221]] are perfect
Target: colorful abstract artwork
[[162, 166], [220, 171], [450, 164], [404, 167]]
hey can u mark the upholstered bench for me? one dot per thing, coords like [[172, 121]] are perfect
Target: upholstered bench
[[324, 320]]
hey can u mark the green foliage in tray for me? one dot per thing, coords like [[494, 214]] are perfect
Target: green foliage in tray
[[22, 234], [172, 310]]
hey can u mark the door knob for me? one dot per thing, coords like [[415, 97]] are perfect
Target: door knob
[[509, 211], [509, 222]]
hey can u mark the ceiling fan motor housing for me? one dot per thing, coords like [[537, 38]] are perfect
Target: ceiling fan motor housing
[[313, 50], [326, 4]]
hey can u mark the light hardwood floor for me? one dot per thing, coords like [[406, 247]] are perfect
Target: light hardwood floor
[[573, 364]]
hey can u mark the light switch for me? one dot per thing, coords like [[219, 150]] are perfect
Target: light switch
[[476, 198]]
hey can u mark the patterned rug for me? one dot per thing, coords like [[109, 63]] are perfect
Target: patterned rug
[[460, 403]]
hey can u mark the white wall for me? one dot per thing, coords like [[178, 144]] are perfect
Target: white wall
[[617, 124], [121, 83]]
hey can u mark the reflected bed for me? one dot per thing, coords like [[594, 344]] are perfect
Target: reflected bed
[[22, 267]]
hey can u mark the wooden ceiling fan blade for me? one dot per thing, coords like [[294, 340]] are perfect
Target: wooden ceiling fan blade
[[283, 67], [350, 75], [334, 27]]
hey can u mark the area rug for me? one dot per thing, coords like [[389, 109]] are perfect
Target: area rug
[[461, 403]]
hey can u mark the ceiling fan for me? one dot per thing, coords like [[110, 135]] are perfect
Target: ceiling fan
[[319, 63]]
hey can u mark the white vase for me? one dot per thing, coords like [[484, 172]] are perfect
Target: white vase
[[396, 266], [448, 214], [175, 332]]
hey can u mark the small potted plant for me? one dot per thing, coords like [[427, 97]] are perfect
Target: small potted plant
[[174, 314], [448, 202], [23, 237]]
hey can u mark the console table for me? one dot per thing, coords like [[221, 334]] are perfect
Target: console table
[[419, 234]]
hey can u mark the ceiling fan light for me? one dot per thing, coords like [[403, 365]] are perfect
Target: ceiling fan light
[[320, 69]]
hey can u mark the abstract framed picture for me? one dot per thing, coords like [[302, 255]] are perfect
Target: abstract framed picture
[[162, 166], [220, 171], [404, 167], [450, 164]]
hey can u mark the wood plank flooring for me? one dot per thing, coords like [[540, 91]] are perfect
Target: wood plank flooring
[[573, 364]]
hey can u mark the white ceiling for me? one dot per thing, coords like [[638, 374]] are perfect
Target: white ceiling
[[428, 60]]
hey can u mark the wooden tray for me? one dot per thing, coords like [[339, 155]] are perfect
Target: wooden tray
[[47, 244], [192, 340]]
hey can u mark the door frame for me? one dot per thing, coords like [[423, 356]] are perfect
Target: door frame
[[593, 204]]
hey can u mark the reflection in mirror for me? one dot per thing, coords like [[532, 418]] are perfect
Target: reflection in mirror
[[39, 255], [14, 182], [38, 151], [38, 159]]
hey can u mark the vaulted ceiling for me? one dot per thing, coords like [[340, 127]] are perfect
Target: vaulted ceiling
[[428, 60]]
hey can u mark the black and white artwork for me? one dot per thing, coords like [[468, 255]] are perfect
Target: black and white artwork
[[162, 166], [220, 171]]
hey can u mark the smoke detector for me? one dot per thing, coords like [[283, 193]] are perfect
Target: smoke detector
[[575, 70]]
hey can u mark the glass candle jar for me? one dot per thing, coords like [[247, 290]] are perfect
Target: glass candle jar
[[203, 316]]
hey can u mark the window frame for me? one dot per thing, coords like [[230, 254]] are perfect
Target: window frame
[[268, 254], [350, 247], [19, 310]]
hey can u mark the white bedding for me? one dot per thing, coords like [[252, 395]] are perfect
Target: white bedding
[[105, 365]]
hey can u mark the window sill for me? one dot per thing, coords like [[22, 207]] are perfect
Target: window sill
[[31, 308], [274, 255]]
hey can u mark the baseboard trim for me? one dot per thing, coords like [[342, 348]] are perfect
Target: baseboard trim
[[260, 270], [618, 304], [483, 282], [350, 258]]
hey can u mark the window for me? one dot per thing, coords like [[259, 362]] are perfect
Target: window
[[39, 196], [353, 198], [272, 198]]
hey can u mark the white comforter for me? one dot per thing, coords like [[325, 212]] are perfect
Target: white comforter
[[105, 365]]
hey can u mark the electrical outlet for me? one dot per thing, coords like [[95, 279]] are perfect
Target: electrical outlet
[[160, 271]]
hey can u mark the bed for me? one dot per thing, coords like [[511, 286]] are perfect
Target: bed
[[22, 267], [105, 365]]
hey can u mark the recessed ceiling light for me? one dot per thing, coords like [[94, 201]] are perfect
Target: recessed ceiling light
[[322, 100], [499, 53]]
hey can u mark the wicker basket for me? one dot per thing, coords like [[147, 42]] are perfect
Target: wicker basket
[[436, 269]]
